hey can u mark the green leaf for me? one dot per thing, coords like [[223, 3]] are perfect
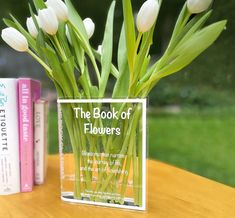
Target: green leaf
[[144, 67], [181, 21], [77, 50], [122, 51], [191, 49], [196, 25], [63, 39], [39, 4], [59, 90], [40, 42], [121, 87], [94, 92], [81, 34], [143, 53], [68, 70], [58, 73], [130, 31], [90, 91], [186, 53], [85, 87], [177, 32], [114, 70], [10, 23], [33, 16], [107, 50], [76, 19], [197, 44], [192, 26]]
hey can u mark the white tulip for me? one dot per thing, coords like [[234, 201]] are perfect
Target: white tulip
[[99, 50], [48, 21], [60, 9], [15, 39], [147, 15], [32, 27], [90, 27], [198, 6]]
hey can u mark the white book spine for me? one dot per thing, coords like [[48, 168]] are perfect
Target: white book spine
[[9, 138], [40, 141]]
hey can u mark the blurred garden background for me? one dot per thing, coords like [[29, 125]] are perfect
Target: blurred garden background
[[191, 114]]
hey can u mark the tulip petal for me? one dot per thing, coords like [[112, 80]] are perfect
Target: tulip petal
[[48, 21], [90, 27], [31, 27], [60, 9], [15, 39], [198, 6], [147, 15]]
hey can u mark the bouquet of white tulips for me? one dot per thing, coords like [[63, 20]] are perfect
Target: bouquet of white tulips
[[58, 38]]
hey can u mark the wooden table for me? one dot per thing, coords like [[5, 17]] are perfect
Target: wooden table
[[172, 193]]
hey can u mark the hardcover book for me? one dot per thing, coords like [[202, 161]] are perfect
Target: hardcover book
[[9, 138], [40, 141], [29, 92]]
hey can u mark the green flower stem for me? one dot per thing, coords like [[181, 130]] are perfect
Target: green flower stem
[[40, 61], [136, 171], [134, 74], [132, 127], [83, 161], [137, 44], [75, 138], [91, 141], [179, 27], [107, 146], [130, 153], [114, 70], [88, 50], [77, 187], [72, 136], [181, 22], [78, 144], [77, 160], [83, 145], [126, 176], [62, 53], [140, 161], [149, 84], [118, 176], [129, 158]]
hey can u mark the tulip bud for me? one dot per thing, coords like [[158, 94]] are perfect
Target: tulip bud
[[90, 27], [68, 34], [15, 39], [99, 50], [32, 27], [198, 6], [60, 9], [48, 21], [147, 15]]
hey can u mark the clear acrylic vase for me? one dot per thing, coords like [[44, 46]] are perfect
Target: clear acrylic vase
[[103, 152]]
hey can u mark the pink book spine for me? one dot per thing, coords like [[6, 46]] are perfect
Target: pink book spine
[[29, 91]]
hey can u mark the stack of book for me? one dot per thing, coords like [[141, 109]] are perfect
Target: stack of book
[[23, 129]]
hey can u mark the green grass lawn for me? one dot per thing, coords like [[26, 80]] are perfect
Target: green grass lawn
[[201, 141]]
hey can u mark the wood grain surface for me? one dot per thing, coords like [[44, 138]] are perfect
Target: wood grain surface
[[172, 193]]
